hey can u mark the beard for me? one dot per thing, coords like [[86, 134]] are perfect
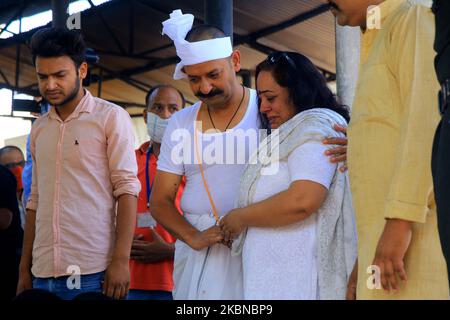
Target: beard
[[72, 95]]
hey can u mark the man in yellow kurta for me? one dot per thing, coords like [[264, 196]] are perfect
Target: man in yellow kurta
[[389, 153]]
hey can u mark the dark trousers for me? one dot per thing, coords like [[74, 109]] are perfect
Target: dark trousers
[[440, 165]]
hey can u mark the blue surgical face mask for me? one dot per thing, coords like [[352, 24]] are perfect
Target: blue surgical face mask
[[156, 127]]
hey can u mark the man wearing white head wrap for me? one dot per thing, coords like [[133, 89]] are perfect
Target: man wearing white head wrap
[[177, 28], [203, 266]]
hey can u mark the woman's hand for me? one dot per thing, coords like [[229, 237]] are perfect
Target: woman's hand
[[232, 225]]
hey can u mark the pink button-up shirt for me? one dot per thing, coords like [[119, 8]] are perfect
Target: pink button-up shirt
[[80, 167]]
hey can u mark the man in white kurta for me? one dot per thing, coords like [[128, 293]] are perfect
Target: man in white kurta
[[203, 265]]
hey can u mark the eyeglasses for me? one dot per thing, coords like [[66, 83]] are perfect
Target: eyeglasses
[[12, 165], [276, 56]]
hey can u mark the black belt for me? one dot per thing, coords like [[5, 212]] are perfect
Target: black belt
[[444, 96]]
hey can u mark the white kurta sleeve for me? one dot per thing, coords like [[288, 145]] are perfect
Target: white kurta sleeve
[[309, 162]]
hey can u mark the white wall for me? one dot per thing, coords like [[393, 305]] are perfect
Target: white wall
[[20, 142], [140, 131]]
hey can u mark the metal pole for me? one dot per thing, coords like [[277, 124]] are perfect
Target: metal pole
[[220, 13], [100, 82], [59, 13], [17, 65], [131, 26], [347, 62]]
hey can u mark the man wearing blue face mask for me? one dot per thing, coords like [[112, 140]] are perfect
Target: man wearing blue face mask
[[151, 263]]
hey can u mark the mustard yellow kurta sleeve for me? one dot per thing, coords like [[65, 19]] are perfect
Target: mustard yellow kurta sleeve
[[394, 117], [410, 191]]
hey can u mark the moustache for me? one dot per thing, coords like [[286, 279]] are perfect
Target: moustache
[[211, 94]]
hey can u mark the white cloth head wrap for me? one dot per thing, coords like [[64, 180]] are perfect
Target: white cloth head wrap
[[177, 27]]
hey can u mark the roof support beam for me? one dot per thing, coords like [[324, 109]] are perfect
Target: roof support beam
[[4, 77], [59, 13], [284, 25], [19, 12], [220, 13], [106, 25], [31, 86], [329, 76], [20, 38], [131, 27], [146, 52], [147, 68], [116, 75], [119, 55], [251, 40], [154, 63], [30, 92]]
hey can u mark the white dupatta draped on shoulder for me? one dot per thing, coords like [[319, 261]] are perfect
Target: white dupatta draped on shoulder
[[336, 231]]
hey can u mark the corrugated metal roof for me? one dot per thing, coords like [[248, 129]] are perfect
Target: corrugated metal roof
[[314, 38]]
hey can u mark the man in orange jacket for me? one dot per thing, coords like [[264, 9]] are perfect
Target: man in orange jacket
[[151, 264]]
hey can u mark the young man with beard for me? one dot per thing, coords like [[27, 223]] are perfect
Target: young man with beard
[[389, 153], [82, 209]]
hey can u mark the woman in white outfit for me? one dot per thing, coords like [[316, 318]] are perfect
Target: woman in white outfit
[[294, 224]]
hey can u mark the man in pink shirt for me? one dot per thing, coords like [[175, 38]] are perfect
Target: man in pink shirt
[[81, 212]]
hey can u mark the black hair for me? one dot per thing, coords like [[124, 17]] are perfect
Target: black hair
[[204, 32], [58, 42], [153, 89], [9, 148], [306, 85]]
